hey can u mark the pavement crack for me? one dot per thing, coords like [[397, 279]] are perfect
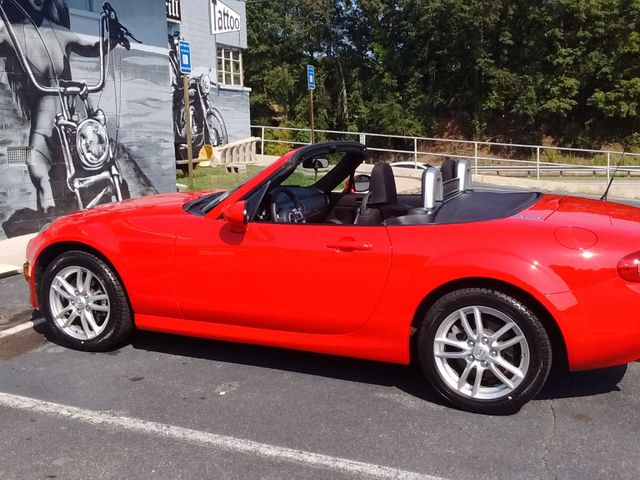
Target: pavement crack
[[547, 442]]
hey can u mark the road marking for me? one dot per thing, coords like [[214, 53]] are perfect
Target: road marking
[[20, 328], [311, 459]]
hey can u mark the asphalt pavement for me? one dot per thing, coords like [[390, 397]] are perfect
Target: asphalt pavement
[[180, 408]]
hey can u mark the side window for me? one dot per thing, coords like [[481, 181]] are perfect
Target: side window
[[306, 177]]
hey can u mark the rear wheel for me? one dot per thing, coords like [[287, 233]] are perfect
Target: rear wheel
[[84, 303], [484, 351]]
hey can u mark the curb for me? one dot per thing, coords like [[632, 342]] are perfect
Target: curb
[[9, 271]]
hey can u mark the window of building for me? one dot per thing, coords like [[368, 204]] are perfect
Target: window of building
[[230, 66], [83, 4]]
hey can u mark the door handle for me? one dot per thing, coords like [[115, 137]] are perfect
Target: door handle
[[348, 244]]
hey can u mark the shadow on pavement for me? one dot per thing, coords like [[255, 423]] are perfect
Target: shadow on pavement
[[408, 379], [583, 384]]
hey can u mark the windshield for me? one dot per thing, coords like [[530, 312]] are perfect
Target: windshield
[[203, 204]]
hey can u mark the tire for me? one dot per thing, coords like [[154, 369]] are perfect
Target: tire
[[93, 320], [512, 337]]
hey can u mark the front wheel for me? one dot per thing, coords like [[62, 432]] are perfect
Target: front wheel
[[484, 351], [84, 302], [217, 129]]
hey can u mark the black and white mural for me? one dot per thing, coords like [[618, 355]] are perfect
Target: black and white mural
[[85, 116], [207, 123]]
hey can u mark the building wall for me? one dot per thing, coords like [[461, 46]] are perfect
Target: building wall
[[195, 27], [36, 178]]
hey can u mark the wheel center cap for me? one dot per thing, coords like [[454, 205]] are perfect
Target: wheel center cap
[[479, 353], [81, 303]]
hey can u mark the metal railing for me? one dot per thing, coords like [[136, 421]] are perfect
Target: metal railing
[[485, 156]]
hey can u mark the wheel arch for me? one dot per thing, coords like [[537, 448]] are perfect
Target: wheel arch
[[54, 250], [559, 348]]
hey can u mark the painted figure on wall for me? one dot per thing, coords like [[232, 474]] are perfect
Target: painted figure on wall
[[207, 124], [48, 96], [72, 160]]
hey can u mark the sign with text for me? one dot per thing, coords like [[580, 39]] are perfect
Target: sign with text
[[184, 51], [173, 10], [223, 19], [311, 77]]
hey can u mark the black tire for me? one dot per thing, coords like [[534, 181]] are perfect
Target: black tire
[[537, 341], [119, 322]]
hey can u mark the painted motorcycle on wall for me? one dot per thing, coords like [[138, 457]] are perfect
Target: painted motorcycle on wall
[[80, 135], [207, 123]]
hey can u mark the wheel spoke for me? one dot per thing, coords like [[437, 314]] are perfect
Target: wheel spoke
[[477, 315], [91, 321], [452, 343], [66, 285], [85, 326], [62, 293], [97, 298], [496, 336], [79, 279], [508, 366], [501, 376], [465, 324], [98, 308], [509, 343], [70, 319], [477, 383], [451, 354], [65, 310], [86, 287], [465, 375]]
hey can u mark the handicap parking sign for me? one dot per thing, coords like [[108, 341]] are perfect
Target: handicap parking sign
[[185, 57]]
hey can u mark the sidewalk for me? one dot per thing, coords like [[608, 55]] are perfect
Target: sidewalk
[[12, 254]]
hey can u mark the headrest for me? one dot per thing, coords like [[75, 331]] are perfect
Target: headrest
[[383, 185], [449, 169]]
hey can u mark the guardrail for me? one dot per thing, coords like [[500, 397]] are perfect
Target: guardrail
[[485, 156]]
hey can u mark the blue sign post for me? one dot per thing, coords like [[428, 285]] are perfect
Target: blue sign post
[[311, 83], [311, 77], [185, 57]]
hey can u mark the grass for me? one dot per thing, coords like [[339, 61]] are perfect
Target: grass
[[217, 178]]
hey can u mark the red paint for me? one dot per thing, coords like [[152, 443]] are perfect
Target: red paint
[[354, 290]]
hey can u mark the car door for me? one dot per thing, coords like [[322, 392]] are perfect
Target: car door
[[323, 279]]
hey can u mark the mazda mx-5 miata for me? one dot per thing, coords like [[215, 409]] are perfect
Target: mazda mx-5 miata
[[486, 290]]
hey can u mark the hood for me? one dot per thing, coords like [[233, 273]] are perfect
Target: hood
[[144, 207]]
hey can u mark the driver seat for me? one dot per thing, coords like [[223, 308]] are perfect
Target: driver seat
[[382, 200]]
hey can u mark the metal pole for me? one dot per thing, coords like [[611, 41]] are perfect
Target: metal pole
[[262, 142], [415, 153], [538, 163], [475, 155], [311, 113], [608, 167], [187, 119]]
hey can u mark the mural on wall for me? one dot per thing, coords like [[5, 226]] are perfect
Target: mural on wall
[[207, 124], [52, 120]]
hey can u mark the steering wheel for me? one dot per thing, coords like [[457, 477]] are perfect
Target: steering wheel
[[295, 215]]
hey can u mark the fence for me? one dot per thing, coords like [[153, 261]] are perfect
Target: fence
[[486, 157]]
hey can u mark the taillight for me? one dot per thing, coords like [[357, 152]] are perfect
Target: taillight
[[629, 267]]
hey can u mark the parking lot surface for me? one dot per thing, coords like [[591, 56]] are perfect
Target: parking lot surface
[[172, 407]]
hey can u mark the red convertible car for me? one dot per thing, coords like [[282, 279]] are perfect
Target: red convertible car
[[485, 289]]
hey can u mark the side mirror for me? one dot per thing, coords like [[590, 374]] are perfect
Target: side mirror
[[237, 216], [361, 183], [315, 163]]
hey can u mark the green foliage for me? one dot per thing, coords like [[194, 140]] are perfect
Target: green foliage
[[514, 70]]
